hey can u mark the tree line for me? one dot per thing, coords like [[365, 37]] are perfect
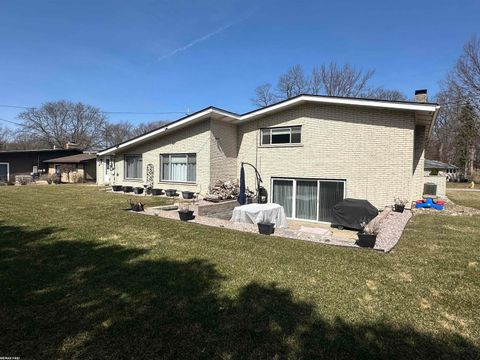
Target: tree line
[[327, 79], [57, 123], [456, 136]]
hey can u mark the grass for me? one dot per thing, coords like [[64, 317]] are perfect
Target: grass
[[465, 198], [81, 278], [460, 185]]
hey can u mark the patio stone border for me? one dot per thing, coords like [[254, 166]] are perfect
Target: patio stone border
[[391, 229]]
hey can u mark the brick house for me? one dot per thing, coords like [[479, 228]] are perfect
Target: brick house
[[311, 152]]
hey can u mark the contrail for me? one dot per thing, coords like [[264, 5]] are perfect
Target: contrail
[[196, 41]]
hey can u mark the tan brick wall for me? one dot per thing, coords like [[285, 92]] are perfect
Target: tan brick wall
[[223, 147], [192, 139], [372, 149], [418, 165]]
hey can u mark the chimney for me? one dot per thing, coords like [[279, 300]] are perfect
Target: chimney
[[420, 96]]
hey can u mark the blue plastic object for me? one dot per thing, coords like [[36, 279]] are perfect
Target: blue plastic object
[[428, 203]]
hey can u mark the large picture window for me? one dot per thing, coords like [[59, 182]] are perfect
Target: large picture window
[[281, 135], [178, 167], [133, 167]]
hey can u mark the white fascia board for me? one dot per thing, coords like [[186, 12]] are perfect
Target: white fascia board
[[305, 98], [340, 101], [165, 128]]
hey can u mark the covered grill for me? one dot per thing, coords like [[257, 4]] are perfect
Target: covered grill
[[351, 213]]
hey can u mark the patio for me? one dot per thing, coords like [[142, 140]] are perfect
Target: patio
[[390, 231]]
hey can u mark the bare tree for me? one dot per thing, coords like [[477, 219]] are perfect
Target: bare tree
[[57, 123], [328, 79], [116, 133], [466, 74], [5, 138], [343, 80], [381, 93], [143, 128], [456, 135], [264, 95], [292, 83]]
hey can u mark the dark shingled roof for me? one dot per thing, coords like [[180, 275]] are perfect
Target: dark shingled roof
[[72, 159], [435, 164]]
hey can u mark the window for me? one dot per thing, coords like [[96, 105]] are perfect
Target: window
[[308, 199], [178, 167], [133, 167], [4, 172], [281, 135]]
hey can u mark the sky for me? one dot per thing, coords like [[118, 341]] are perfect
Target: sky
[[174, 57]]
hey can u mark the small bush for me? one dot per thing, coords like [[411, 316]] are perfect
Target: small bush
[[434, 172]]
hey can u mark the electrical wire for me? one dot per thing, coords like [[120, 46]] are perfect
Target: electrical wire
[[107, 112]]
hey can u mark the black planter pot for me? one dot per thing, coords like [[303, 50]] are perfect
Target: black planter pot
[[127, 189], [156, 192], [266, 228], [187, 194], [171, 192], [186, 215], [117, 187], [138, 190], [366, 240], [399, 208]]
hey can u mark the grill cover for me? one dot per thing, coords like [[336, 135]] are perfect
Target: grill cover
[[350, 213]]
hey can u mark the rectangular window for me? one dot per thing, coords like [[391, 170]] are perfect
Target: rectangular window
[[4, 172], [281, 135], [308, 199], [133, 167], [178, 167]]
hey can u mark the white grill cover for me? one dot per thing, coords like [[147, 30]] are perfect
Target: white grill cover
[[255, 213]]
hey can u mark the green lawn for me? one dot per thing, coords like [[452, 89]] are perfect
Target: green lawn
[[82, 278], [466, 198], [460, 185]]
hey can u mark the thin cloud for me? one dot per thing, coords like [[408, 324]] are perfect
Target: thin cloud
[[197, 41]]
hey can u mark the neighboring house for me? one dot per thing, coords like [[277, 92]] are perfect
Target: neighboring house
[[74, 168], [450, 171], [26, 162], [311, 152]]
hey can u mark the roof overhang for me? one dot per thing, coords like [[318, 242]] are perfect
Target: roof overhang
[[425, 114]]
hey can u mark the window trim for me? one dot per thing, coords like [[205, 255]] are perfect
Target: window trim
[[162, 180], [125, 167], [290, 127], [294, 194], [8, 170]]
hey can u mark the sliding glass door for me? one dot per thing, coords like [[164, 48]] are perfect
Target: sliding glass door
[[308, 199], [330, 194], [283, 195]]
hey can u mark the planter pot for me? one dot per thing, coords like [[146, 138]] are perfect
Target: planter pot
[[138, 190], [266, 228], [156, 192], [117, 187], [399, 208], [366, 240], [171, 192], [127, 189], [186, 215], [187, 194]]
